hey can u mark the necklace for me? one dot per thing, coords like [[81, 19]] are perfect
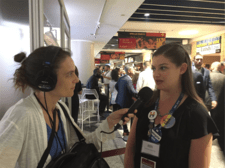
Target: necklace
[[161, 115]]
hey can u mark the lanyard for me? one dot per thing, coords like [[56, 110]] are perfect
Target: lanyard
[[155, 133], [174, 106]]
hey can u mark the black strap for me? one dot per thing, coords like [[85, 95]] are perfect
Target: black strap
[[80, 136], [47, 150]]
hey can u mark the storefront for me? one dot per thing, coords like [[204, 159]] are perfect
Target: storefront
[[212, 47]]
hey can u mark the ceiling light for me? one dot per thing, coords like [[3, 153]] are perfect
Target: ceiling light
[[147, 14], [188, 32]]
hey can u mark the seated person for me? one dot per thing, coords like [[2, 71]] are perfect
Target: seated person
[[92, 83]]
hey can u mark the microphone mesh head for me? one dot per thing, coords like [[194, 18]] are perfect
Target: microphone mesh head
[[145, 94]]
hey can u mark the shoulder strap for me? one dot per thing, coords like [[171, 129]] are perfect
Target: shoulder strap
[[47, 150], [80, 136]]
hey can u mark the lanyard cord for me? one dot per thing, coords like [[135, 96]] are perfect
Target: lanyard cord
[[53, 121], [174, 106]]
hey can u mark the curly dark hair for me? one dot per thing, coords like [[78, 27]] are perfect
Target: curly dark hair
[[25, 75], [115, 75]]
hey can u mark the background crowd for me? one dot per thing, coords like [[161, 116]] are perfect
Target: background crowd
[[121, 85]]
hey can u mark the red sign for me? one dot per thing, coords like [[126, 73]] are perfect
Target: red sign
[[115, 56], [156, 34], [127, 43], [97, 61], [138, 40], [105, 57], [119, 52], [104, 61]]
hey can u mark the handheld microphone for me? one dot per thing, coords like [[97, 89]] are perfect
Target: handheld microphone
[[144, 95]]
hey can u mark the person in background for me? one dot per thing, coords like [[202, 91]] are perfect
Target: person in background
[[75, 98], [106, 78], [101, 71], [92, 83], [135, 78], [122, 72], [173, 129], [118, 70], [207, 66], [198, 83], [218, 83], [221, 67], [206, 80], [112, 89], [146, 77], [27, 125], [126, 91]]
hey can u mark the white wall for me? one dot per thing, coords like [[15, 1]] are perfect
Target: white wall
[[14, 39]]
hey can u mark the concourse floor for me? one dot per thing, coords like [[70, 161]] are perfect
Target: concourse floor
[[217, 159]]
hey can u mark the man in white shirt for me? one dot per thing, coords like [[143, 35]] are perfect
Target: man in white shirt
[[146, 77], [106, 79]]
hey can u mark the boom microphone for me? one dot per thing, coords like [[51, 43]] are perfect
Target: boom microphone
[[144, 96]]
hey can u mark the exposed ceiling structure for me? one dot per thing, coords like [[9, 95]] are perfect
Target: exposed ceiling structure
[[172, 17], [99, 20], [182, 11]]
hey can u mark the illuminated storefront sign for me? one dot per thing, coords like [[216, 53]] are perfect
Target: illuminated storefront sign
[[209, 46], [139, 40]]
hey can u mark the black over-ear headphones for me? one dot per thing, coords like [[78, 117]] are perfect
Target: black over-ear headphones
[[46, 79]]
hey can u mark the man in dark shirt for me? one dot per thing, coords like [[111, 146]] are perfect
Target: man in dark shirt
[[207, 84], [92, 83], [218, 83], [126, 91]]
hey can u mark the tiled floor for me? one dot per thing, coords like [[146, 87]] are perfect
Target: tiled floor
[[217, 159]]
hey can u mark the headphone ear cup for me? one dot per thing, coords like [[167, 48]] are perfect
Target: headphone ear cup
[[46, 80]]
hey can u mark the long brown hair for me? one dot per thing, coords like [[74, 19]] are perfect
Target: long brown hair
[[178, 55]]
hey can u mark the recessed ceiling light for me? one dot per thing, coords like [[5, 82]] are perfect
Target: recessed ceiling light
[[188, 32], [147, 14]]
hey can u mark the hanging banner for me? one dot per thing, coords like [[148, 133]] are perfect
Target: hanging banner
[[122, 56], [105, 57], [139, 40], [112, 55], [209, 46], [104, 61], [115, 56]]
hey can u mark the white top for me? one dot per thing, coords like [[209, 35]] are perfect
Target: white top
[[113, 91], [145, 79], [23, 134], [107, 74]]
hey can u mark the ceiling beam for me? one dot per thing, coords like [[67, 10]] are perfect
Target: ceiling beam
[[197, 21], [208, 1], [163, 10], [181, 15], [175, 6]]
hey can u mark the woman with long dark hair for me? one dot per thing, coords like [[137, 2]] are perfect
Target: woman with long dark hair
[[174, 129]]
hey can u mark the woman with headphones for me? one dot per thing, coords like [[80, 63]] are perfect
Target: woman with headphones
[[26, 126]]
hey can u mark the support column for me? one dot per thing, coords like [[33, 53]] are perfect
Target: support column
[[83, 56]]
